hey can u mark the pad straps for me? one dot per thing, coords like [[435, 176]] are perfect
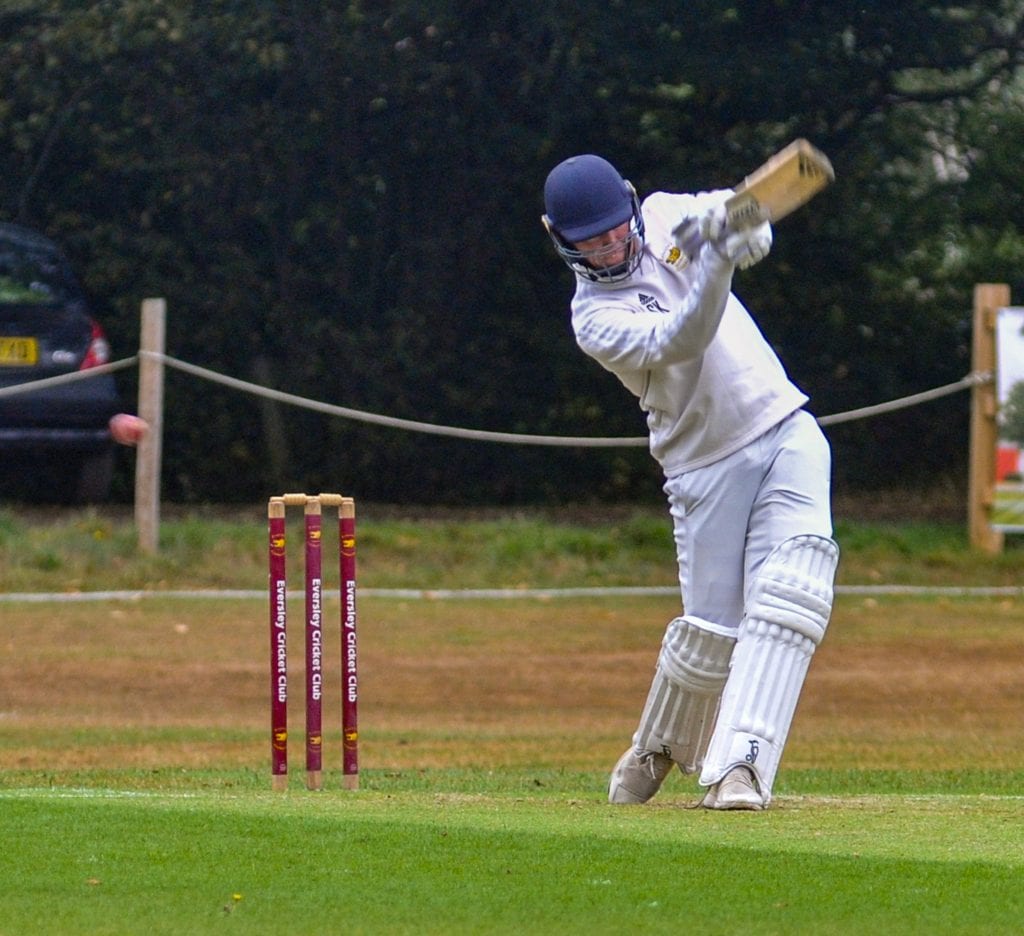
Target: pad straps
[[679, 714]]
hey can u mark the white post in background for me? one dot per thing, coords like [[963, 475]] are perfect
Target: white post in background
[[151, 409]]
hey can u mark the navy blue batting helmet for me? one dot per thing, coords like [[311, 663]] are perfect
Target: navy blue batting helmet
[[585, 196]]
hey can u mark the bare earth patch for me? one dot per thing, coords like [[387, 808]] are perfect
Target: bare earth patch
[[185, 683]]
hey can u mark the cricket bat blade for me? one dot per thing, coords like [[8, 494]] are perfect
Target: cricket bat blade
[[789, 179]]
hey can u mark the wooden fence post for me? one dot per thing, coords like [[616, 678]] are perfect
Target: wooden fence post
[[988, 299], [151, 408]]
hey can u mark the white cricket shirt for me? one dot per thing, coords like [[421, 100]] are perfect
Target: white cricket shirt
[[677, 337]]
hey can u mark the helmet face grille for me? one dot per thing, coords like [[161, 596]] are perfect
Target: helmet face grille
[[594, 264]]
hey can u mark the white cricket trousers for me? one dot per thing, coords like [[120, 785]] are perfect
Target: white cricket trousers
[[727, 517]]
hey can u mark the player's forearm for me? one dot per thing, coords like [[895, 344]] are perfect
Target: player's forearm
[[687, 331], [626, 340]]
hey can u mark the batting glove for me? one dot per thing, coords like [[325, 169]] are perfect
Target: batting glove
[[706, 223], [746, 247]]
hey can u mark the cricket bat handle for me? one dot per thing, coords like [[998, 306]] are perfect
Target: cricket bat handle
[[689, 241], [688, 237]]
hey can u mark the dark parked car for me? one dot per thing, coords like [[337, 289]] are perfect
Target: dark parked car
[[54, 443]]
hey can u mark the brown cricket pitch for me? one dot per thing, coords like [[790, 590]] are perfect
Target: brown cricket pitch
[[157, 683]]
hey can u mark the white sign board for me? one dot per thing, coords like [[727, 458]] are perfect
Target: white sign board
[[1008, 510]]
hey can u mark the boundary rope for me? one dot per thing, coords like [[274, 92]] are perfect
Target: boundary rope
[[73, 377], [482, 435], [394, 422]]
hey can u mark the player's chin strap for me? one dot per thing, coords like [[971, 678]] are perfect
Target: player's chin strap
[[786, 618]]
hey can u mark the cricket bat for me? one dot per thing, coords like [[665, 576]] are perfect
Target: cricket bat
[[791, 178]]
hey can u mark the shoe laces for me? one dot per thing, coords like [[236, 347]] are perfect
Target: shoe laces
[[650, 762]]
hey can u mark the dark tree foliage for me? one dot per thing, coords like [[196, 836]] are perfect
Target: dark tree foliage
[[344, 200]]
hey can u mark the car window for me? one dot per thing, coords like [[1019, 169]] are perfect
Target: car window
[[28, 276]]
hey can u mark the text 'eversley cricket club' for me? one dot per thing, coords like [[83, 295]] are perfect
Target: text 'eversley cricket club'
[[352, 687], [316, 651], [280, 641]]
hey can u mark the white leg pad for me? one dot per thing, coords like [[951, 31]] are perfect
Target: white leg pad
[[786, 618], [679, 715]]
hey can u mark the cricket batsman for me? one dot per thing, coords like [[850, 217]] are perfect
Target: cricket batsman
[[747, 475]]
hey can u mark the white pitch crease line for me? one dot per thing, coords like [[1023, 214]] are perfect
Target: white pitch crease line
[[456, 594]]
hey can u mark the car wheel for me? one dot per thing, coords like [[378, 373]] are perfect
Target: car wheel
[[95, 474]]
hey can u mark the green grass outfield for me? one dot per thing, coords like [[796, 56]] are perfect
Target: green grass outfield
[[134, 774], [473, 853]]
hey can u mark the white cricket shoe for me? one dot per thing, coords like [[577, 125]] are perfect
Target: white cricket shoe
[[637, 776], [736, 790]]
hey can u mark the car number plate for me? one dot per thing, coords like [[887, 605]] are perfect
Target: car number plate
[[18, 352]]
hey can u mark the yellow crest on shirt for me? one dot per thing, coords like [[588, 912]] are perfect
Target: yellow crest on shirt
[[674, 257]]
